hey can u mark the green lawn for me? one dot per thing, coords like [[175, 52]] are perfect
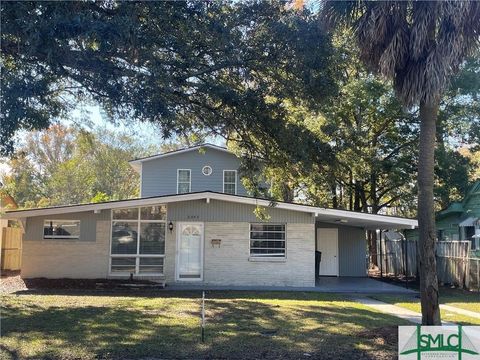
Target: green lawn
[[239, 325], [453, 297]]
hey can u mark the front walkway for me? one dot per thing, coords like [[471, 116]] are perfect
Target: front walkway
[[460, 311], [390, 309], [345, 285]]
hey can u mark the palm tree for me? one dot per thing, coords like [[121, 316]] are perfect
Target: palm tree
[[419, 45]]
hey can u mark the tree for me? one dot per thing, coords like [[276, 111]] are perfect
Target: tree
[[372, 142], [417, 45], [221, 66], [458, 127], [94, 168]]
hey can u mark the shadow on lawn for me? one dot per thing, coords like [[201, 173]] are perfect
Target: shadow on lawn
[[239, 328], [192, 294]]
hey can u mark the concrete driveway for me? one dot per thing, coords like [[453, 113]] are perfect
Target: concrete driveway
[[362, 285]]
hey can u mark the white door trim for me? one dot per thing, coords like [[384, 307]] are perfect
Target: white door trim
[[177, 251], [337, 270]]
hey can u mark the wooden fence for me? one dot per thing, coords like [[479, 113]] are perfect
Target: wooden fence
[[11, 246], [454, 264]]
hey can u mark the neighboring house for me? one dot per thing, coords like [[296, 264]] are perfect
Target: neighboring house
[[460, 221], [194, 222]]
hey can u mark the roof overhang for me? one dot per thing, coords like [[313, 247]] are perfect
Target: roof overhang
[[137, 163], [470, 221], [334, 216]]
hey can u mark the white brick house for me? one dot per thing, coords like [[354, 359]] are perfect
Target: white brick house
[[204, 236]]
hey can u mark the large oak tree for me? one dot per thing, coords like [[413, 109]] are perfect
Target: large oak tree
[[419, 45], [221, 66]]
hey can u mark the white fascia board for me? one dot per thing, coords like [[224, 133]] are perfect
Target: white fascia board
[[369, 217], [104, 206], [315, 211], [137, 166], [380, 219]]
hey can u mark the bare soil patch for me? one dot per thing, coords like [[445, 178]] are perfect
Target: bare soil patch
[[11, 282], [386, 335]]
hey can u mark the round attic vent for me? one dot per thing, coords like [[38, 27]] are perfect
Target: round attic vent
[[207, 170]]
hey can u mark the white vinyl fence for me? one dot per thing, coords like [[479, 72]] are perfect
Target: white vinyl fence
[[454, 265]]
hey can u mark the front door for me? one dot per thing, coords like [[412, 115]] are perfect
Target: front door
[[189, 251], [327, 244]]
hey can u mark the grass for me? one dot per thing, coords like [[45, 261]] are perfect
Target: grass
[[460, 298], [453, 297], [166, 325]]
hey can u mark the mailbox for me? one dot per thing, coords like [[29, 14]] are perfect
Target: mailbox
[[216, 242]]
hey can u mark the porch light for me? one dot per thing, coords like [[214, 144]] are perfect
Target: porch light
[[170, 226]]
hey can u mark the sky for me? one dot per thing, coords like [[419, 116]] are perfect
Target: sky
[[88, 116], [91, 116]]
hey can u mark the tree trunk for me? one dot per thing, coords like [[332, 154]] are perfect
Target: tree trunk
[[426, 219], [333, 189], [350, 192], [287, 192], [356, 201]]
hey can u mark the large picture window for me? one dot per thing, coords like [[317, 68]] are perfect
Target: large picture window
[[267, 240], [138, 240], [184, 181], [61, 229], [230, 182]]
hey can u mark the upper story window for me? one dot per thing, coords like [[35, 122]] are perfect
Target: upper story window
[[184, 181], [61, 229], [230, 182]]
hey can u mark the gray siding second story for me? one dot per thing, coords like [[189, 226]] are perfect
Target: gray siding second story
[[159, 174]]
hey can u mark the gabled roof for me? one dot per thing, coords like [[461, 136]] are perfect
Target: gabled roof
[[474, 190], [454, 208], [460, 207], [334, 216], [136, 163]]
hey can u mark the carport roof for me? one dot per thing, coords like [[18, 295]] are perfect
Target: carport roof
[[334, 216]]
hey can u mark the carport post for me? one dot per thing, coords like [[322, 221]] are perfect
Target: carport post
[[381, 257], [406, 259]]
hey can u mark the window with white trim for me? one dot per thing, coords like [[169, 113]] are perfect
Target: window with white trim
[[184, 181], [207, 170], [267, 240], [230, 182], [138, 240], [61, 229]]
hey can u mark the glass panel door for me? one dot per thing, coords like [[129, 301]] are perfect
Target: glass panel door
[[190, 250]]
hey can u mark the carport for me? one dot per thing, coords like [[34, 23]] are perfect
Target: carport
[[341, 241], [362, 285]]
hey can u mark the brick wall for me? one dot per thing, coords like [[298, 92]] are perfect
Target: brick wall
[[68, 258], [230, 264]]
